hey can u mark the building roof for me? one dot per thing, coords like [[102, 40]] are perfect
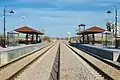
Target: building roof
[[81, 25], [94, 29], [26, 29]]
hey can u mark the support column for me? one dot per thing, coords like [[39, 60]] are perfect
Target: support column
[[87, 39], [18, 36], [93, 39], [102, 39], [39, 39], [32, 38], [106, 39], [27, 38], [36, 38], [83, 38], [80, 38]]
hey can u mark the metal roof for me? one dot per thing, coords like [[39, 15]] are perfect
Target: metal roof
[[26, 29], [94, 29]]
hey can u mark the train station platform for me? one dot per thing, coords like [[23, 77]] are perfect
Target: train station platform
[[109, 53], [10, 53]]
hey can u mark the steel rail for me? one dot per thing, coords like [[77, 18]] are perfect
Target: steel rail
[[21, 57], [17, 72], [102, 72]]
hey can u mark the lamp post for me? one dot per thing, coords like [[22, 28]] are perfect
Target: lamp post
[[5, 26], [116, 42]]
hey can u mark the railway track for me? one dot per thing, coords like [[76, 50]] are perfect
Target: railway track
[[45, 68], [14, 68], [73, 67], [21, 57], [59, 61], [108, 70]]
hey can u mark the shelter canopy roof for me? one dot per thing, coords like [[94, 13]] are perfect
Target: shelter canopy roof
[[28, 30], [94, 29]]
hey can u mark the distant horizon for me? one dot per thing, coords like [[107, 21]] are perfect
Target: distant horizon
[[57, 17]]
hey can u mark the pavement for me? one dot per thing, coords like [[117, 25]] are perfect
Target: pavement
[[20, 46]]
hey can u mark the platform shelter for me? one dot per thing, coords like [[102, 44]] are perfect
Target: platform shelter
[[85, 36], [29, 31]]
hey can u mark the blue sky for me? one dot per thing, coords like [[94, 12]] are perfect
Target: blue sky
[[57, 17]]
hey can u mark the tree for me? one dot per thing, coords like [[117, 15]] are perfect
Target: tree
[[109, 26], [47, 39]]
